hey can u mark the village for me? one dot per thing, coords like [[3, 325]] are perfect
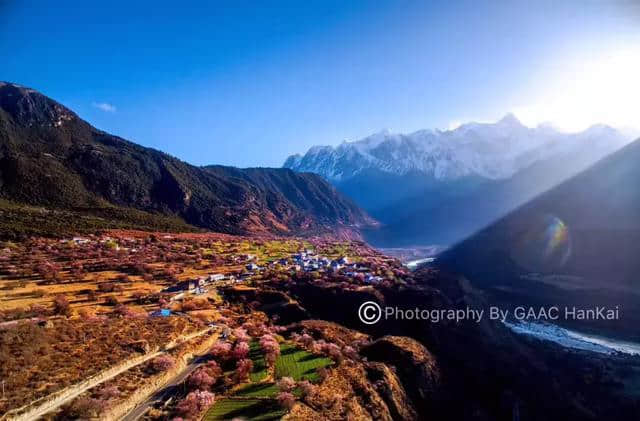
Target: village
[[140, 305], [304, 261], [151, 273]]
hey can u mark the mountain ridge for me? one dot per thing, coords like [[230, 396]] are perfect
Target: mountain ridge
[[437, 187], [489, 150], [49, 156]]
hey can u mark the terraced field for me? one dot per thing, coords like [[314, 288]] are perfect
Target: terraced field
[[299, 364], [250, 409], [256, 401], [259, 364]]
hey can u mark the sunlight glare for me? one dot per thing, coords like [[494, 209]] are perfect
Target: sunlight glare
[[604, 91]]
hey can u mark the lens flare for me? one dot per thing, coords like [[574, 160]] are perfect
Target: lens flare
[[557, 235], [544, 245]]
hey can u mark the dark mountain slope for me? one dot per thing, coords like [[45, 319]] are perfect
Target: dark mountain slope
[[302, 190], [576, 244], [597, 209], [391, 198], [51, 157], [457, 209]]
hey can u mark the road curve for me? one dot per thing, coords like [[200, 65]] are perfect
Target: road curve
[[167, 390], [59, 398]]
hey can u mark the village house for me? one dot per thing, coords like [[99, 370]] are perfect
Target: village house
[[177, 297], [335, 265], [199, 290], [371, 279], [252, 266], [161, 313], [312, 266], [188, 285]]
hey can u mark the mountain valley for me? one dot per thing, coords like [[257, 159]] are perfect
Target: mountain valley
[[438, 187]]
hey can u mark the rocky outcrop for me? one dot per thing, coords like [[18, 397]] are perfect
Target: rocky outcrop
[[392, 391], [331, 332], [348, 394], [415, 365]]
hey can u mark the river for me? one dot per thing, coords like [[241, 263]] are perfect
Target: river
[[413, 264], [572, 339]]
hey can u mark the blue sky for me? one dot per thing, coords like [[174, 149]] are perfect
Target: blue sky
[[248, 83]]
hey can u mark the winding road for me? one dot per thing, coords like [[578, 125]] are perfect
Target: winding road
[[57, 399], [168, 389]]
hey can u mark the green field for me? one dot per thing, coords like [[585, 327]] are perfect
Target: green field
[[255, 401], [259, 371], [258, 390], [253, 409], [299, 364]]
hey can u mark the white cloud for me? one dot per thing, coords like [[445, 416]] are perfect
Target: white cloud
[[104, 106]]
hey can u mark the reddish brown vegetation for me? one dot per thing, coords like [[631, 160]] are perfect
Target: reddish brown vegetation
[[36, 361]]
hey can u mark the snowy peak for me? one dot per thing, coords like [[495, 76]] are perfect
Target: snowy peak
[[510, 121], [293, 161], [489, 150]]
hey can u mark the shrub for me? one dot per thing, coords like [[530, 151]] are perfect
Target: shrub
[[271, 349], [307, 340], [306, 388], [333, 351], [111, 300], [61, 305], [286, 384], [200, 380], [243, 368], [221, 350], [109, 392], [286, 400], [195, 402], [241, 350], [350, 352], [38, 309], [323, 373], [162, 363], [84, 408], [106, 287], [124, 311], [241, 334], [213, 369]]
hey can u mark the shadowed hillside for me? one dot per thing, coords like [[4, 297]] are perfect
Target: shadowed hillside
[[51, 157], [439, 187], [575, 244]]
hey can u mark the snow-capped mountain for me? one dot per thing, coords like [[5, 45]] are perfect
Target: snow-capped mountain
[[437, 187], [492, 151]]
